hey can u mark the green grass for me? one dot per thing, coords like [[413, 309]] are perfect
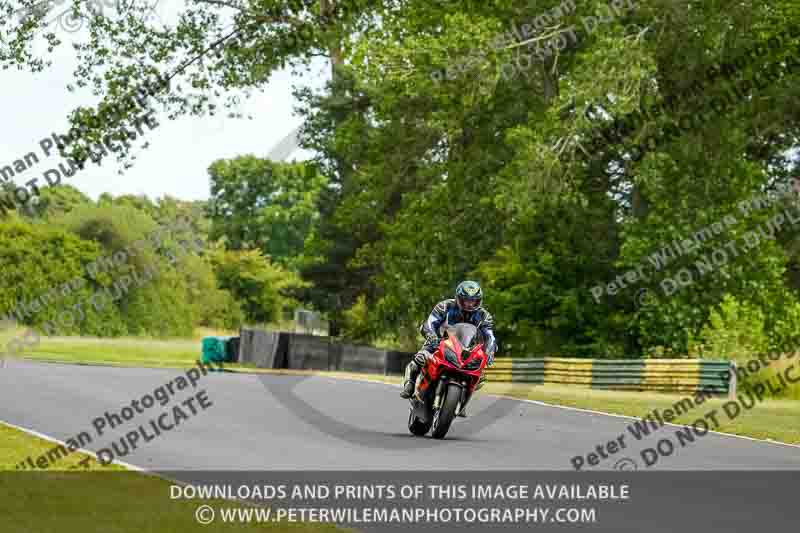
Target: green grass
[[16, 446], [67, 498], [772, 419], [129, 351]]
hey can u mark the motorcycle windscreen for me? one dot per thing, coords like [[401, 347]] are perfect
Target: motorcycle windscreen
[[466, 335]]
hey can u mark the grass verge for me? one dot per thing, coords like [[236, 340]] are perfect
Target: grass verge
[[100, 498]]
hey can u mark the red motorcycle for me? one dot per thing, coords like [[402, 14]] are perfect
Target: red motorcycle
[[447, 381]]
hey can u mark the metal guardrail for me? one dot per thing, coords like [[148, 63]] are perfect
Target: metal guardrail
[[273, 349], [290, 350]]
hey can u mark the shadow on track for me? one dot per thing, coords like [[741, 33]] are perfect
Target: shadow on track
[[282, 388]]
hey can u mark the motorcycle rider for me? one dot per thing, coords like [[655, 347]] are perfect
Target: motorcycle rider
[[466, 307]]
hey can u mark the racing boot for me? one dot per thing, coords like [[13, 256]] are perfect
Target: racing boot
[[410, 383]]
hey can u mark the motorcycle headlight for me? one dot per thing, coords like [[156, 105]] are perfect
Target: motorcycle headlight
[[450, 357], [473, 364]]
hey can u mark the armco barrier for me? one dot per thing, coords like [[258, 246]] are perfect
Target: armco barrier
[[264, 349], [396, 362], [361, 359], [308, 352], [662, 375], [232, 350], [268, 349]]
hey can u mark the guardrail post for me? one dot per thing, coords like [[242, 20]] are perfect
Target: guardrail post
[[732, 382]]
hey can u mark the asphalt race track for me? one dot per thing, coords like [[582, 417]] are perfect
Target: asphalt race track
[[272, 422]]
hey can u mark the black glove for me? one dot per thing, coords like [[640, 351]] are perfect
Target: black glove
[[432, 341]]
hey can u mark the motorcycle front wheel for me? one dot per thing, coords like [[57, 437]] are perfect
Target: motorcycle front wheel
[[445, 415], [416, 426]]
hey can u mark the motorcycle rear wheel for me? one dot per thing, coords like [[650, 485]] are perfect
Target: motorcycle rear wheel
[[445, 415]]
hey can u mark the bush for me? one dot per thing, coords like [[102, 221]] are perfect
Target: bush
[[263, 289], [734, 331], [785, 332], [160, 306], [46, 265], [737, 332], [215, 308], [358, 325]]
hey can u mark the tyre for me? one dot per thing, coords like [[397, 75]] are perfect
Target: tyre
[[445, 415], [416, 426]]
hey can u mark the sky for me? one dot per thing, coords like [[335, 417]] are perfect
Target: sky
[[35, 105]]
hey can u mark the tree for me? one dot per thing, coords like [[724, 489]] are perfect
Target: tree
[[160, 298], [450, 152], [478, 173], [258, 203], [56, 201], [131, 60], [43, 276], [263, 289]]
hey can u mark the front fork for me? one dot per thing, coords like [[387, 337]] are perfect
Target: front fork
[[437, 400], [440, 387]]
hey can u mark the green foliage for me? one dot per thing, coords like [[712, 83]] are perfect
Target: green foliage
[[38, 260], [358, 324], [785, 333], [739, 331], [214, 307], [486, 171], [262, 288], [116, 228], [258, 203], [59, 200], [178, 292], [735, 331]]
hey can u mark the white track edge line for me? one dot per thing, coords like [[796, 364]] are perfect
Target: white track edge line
[[130, 466], [582, 410], [722, 433], [536, 402], [63, 443]]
